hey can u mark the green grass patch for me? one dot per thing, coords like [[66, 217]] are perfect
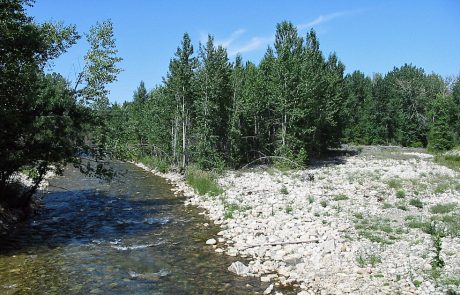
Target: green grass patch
[[203, 182], [359, 215], [450, 223], [365, 260], [395, 183], [416, 203], [284, 190], [443, 208], [401, 206], [417, 222], [378, 230], [231, 208], [323, 203], [340, 197], [158, 164], [451, 161], [400, 194], [387, 206]]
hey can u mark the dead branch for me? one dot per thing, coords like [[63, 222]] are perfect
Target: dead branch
[[268, 157], [281, 243]]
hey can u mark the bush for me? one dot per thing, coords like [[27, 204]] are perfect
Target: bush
[[202, 182]]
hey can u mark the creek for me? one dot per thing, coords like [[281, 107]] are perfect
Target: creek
[[131, 235]]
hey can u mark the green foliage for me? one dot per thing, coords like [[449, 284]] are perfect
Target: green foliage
[[284, 190], [378, 230], [202, 182], [451, 161], [441, 136], [443, 208], [395, 183], [416, 203], [417, 222], [400, 194], [42, 121], [365, 260], [341, 197]]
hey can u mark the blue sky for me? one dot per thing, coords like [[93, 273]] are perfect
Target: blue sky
[[371, 36]]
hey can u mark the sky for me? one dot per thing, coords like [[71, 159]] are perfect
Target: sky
[[370, 36]]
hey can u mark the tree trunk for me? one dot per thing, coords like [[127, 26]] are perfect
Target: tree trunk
[[184, 133]]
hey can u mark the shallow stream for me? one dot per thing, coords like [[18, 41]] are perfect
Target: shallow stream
[[129, 236]]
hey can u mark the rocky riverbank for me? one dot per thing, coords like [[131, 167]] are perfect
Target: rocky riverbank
[[11, 216], [385, 221]]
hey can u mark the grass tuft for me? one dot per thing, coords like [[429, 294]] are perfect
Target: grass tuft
[[443, 208], [416, 203], [340, 197], [203, 182]]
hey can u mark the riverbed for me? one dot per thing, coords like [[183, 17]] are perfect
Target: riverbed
[[128, 236]]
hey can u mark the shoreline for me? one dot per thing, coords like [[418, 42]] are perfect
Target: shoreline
[[10, 217], [337, 228]]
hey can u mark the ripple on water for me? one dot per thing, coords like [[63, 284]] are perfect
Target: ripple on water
[[130, 237]]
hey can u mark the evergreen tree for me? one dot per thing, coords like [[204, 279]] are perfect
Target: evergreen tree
[[440, 136]]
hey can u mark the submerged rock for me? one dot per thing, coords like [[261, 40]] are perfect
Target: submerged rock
[[239, 268]]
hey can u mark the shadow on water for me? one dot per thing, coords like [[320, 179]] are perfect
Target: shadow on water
[[125, 237], [81, 217]]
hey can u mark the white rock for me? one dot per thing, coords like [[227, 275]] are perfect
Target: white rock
[[211, 242], [239, 268], [269, 289]]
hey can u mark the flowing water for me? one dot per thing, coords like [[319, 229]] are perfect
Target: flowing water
[[129, 236]]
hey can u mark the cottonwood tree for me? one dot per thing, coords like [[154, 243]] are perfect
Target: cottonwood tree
[[211, 105], [180, 85], [42, 122]]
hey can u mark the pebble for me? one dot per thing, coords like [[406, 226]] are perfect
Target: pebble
[[330, 265]]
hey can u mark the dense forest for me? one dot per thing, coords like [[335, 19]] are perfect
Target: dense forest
[[292, 107]]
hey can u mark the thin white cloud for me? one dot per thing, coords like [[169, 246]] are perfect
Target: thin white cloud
[[234, 47], [253, 44], [234, 36], [321, 19]]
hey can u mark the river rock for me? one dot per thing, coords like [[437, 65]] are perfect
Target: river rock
[[211, 242], [269, 289], [239, 268]]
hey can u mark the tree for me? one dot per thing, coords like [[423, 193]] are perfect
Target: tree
[[25, 49], [288, 46], [180, 85], [235, 124], [211, 105], [358, 108], [440, 136], [41, 121]]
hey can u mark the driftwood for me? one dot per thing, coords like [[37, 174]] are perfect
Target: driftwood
[[268, 157], [281, 243]]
